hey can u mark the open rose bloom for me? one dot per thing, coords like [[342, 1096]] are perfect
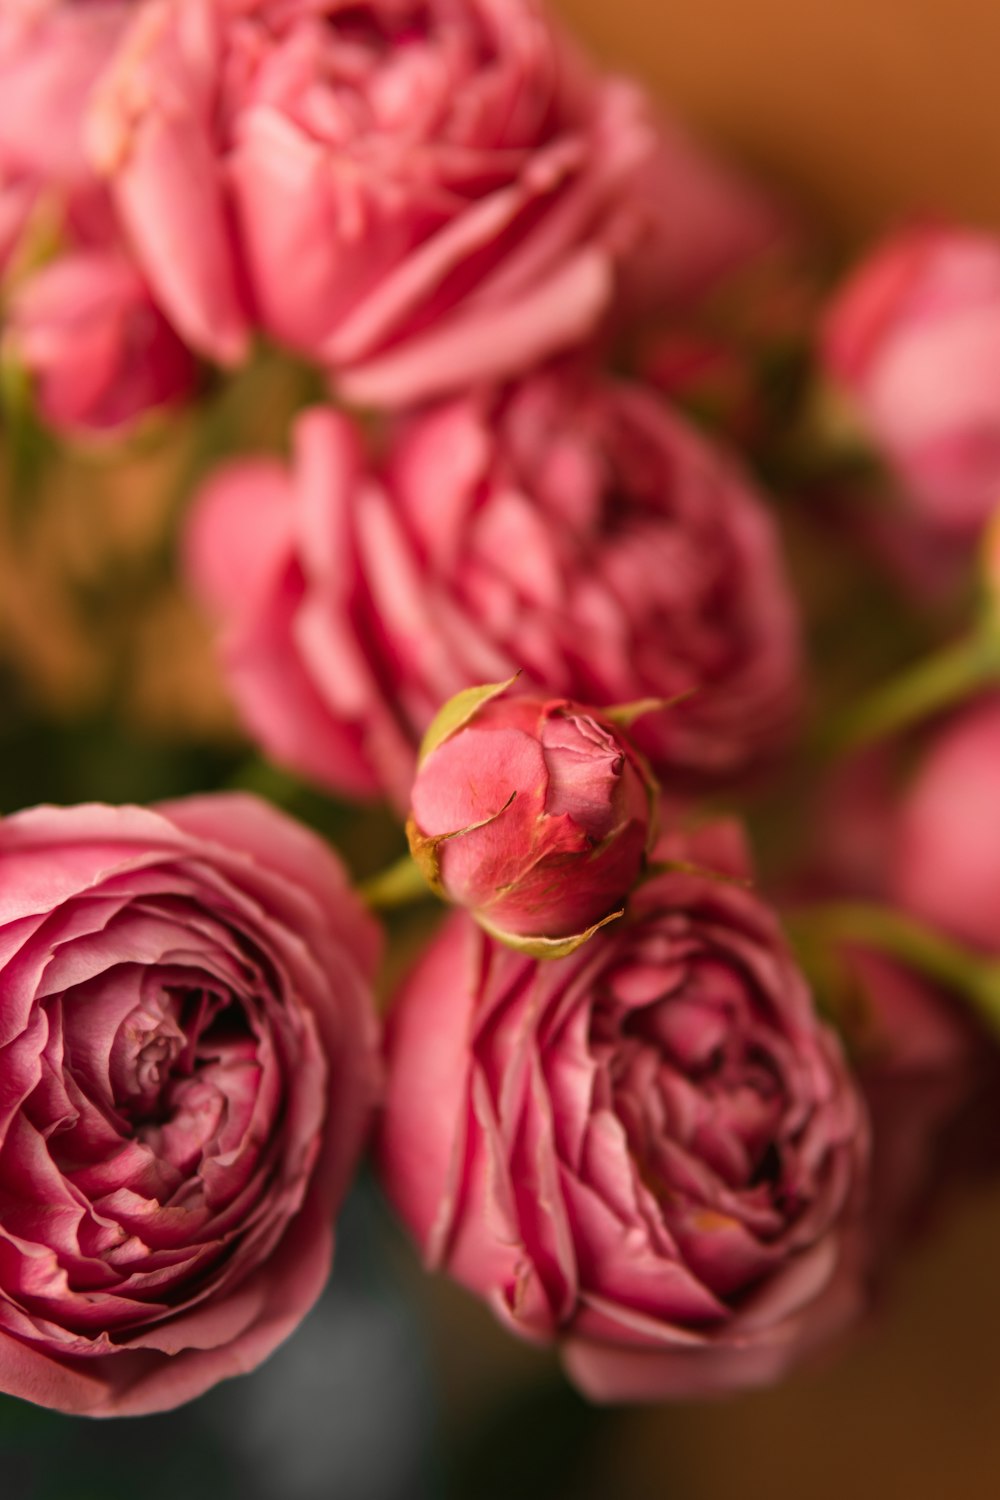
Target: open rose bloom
[[188, 1066], [534, 815], [416, 195], [651, 1151], [570, 527]]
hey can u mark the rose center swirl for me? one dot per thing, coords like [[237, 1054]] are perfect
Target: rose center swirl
[[697, 1078], [139, 1164]]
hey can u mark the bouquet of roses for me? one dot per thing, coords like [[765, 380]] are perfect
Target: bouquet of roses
[[534, 483]]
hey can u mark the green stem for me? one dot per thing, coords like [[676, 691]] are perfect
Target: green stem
[[27, 448], [400, 885], [935, 684], [974, 977]]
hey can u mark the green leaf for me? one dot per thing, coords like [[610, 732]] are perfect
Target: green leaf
[[932, 685], [625, 714], [402, 883], [457, 712]]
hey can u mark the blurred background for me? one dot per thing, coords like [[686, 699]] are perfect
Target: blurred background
[[400, 1387], [865, 110]]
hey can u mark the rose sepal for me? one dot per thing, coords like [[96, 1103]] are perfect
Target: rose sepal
[[542, 947], [457, 712]]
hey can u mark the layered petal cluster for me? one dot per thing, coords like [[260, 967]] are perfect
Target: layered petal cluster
[[533, 814], [188, 1063], [651, 1151], [569, 527], [417, 194], [913, 338]]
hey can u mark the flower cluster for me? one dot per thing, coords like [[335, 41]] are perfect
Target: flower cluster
[[567, 527], [414, 195], [500, 572], [189, 1066]]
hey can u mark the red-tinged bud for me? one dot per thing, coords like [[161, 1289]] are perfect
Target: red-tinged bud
[[535, 815]]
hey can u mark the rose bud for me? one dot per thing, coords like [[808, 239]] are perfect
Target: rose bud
[[913, 341], [533, 814], [188, 1065], [945, 863], [460, 193], [569, 527], [101, 354], [651, 1152]]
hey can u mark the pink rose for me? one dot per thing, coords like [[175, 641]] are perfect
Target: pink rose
[[914, 340], [417, 195], [84, 325], [651, 1151], [100, 352], [568, 527], [187, 1069], [946, 849], [534, 815], [51, 54]]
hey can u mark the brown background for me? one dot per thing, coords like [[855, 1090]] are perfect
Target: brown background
[[865, 107], [909, 1410]]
